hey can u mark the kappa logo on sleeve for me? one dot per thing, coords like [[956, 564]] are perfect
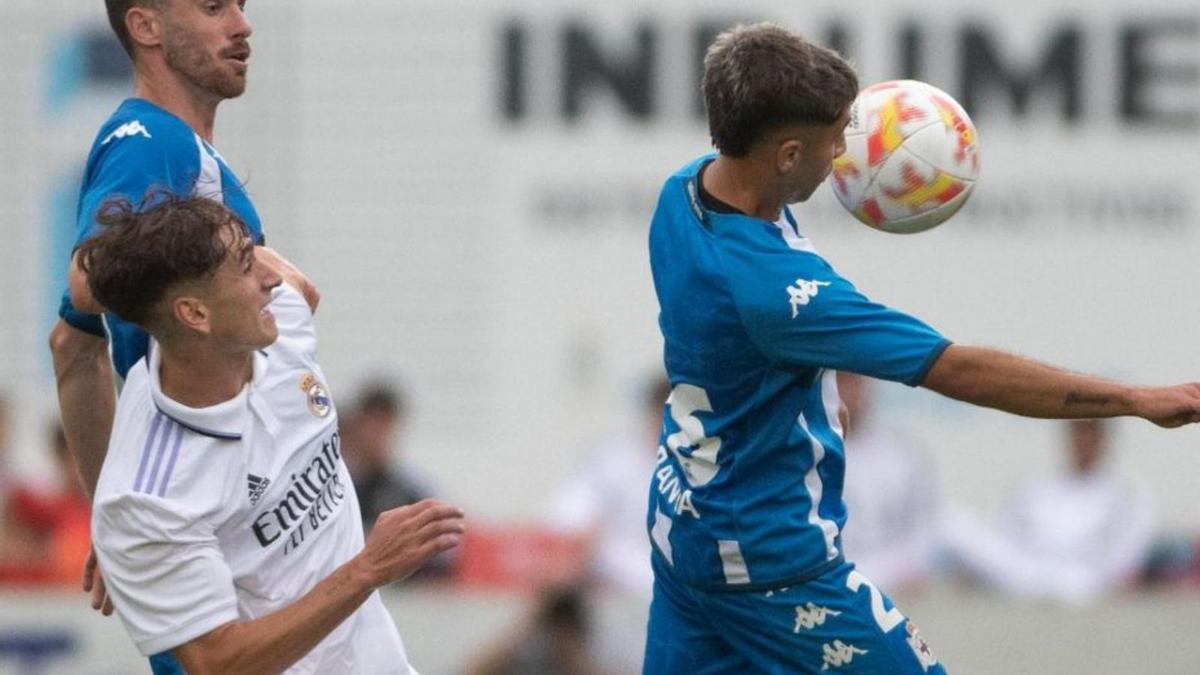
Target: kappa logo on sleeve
[[802, 291], [128, 129]]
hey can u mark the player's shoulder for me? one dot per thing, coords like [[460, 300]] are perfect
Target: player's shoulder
[[139, 126], [757, 244], [680, 192], [290, 307], [157, 462]]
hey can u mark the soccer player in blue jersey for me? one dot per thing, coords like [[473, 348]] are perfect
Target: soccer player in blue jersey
[[746, 509], [188, 56]]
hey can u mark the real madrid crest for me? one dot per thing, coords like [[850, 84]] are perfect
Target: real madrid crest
[[319, 403]]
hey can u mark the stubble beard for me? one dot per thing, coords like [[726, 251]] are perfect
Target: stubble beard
[[188, 57]]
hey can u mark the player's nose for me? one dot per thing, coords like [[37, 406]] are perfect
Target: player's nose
[[268, 277], [242, 28]]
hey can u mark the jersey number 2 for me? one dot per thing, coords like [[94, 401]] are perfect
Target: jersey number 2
[[887, 620]]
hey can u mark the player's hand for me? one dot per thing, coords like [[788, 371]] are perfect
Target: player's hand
[[290, 274], [1170, 407], [405, 538], [94, 583]]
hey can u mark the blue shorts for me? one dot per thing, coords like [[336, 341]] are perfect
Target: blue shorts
[[836, 623], [165, 663]]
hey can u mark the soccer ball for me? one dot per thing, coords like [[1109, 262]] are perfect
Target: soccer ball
[[911, 160]]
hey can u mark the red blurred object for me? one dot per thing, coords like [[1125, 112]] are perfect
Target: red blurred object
[[516, 557], [60, 524]]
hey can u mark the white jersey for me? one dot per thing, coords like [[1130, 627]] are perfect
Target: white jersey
[[232, 512]]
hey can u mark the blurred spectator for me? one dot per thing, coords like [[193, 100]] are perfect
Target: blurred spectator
[[47, 528], [604, 501], [890, 493], [1071, 537], [556, 638], [382, 477]]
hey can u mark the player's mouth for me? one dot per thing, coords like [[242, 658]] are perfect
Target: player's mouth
[[240, 57]]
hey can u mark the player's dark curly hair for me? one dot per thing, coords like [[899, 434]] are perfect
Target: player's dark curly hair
[[117, 9], [142, 251], [760, 77]]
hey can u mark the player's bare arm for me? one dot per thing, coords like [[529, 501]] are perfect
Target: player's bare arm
[[1004, 381], [85, 395], [402, 540]]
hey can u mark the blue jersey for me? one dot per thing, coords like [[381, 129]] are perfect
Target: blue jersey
[[747, 491], [140, 147]]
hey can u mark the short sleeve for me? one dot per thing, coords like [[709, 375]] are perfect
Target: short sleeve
[[294, 319], [164, 571], [165, 156], [800, 312]]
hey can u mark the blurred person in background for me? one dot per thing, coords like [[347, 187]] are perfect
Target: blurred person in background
[[383, 477], [890, 493], [603, 503], [47, 526], [187, 58], [1073, 537], [555, 638]]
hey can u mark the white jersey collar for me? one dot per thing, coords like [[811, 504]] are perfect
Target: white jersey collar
[[225, 420]]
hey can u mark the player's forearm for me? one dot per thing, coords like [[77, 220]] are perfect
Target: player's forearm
[[275, 642], [1007, 382], [86, 397]]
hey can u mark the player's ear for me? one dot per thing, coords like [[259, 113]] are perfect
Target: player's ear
[[788, 155], [191, 313], [144, 25]]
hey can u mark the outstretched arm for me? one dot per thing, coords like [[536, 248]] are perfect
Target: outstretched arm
[[402, 540], [996, 379]]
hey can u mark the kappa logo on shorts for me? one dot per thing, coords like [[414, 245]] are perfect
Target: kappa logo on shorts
[[258, 485], [802, 291], [838, 654], [319, 403], [810, 616], [919, 647]]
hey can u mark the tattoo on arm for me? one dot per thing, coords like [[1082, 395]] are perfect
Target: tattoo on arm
[[1076, 398]]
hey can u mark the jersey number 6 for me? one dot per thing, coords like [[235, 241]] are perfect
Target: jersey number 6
[[700, 461]]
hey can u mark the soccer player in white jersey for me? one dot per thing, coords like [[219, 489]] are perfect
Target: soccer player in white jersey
[[187, 56], [226, 525], [746, 508]]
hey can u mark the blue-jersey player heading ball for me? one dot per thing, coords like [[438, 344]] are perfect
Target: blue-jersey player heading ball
[[746, 507]]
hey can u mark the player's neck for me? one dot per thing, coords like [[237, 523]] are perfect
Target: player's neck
[[163, 87], [201, 377], [741, 183]]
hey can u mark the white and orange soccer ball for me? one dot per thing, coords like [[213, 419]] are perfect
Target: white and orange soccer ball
[[911, 160]]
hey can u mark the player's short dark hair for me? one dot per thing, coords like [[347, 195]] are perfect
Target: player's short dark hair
[[142, 251], [760, 77], [117, 9]]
